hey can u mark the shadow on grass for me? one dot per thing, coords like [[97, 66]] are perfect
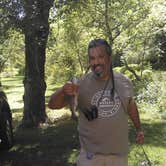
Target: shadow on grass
[[53, 145], [56, 144], [154, 133], [155, 141]]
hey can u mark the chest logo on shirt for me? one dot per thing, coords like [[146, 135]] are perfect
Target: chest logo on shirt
[[107, 107]]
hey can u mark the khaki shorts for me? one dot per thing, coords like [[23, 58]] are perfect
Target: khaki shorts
[[89, 159]]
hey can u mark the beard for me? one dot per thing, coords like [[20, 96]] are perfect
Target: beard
[[98, 70]]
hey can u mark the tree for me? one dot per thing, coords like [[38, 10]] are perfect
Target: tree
[[117, 21], [3, 35], [12, 52], [158, 50], [36, 30], [67, 44], [31, 17]]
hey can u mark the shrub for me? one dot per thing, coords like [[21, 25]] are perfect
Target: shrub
[[152, 98]]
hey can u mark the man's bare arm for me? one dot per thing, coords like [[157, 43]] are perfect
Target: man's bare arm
[[134, 116], [58, 99]]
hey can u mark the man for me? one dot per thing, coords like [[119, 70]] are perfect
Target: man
[[105, 100]]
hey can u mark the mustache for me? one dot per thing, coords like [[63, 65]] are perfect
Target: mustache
[[98, 65]]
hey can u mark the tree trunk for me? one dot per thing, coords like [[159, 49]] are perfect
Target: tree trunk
[[36, 29]]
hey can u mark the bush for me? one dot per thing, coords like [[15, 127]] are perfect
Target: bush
[[152, 98], [147, 75]]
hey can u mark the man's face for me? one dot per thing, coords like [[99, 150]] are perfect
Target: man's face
[[100, 62]]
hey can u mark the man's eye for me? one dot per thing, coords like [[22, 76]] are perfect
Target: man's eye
[[101, 56]]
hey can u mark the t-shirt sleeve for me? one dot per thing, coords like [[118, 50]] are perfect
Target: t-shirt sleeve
[[125, 86], [129, 88]]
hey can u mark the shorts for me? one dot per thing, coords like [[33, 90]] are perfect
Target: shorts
[[90, 159]]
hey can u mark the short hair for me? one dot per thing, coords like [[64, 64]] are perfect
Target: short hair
[[100, 42]]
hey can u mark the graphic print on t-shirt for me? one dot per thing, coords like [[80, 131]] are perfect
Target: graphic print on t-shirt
[[107, 107]]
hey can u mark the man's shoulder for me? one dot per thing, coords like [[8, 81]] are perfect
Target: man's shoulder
[[119, 77], [123, 83], [87, 76]]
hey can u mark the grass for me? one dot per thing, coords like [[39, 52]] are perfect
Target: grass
[[52, 144], [56, 143], [154, 146]]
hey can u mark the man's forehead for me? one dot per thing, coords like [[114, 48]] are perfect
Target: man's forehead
[[98, 49]]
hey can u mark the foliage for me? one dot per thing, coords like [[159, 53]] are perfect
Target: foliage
[[129, 26], [12, 52], [157, 47], [145, 74], [67, 49], [11, 40], [132, 27], [152, 98], [158, 62], [150, 92]]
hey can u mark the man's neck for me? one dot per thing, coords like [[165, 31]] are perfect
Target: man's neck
[[106, 77]]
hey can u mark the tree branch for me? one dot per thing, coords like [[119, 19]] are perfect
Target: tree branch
[[138, 78]]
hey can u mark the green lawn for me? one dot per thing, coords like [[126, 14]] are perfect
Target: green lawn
[[56, 143]]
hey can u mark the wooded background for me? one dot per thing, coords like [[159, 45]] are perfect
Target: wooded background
[[46, 40]]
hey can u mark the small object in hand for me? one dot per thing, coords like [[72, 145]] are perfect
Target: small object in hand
[[73, 100], [89, 155]]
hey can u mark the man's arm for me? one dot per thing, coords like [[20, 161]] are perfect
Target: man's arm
[[134, 116], [59, 99]]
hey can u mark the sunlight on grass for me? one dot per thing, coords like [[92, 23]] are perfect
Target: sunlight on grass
[[19, 148], [149, 117], [136, 155], [17, 115], [54, 114], [14, 90], [73, 155]]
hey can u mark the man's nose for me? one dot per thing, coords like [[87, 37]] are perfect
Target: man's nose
[[96, 61]]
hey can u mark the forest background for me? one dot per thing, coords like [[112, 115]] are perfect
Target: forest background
[[44, 43]]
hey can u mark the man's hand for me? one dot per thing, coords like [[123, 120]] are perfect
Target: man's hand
[[70, 89], [140, 137]]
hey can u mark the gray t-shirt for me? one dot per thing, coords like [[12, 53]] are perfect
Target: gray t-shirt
[[108, 134]]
